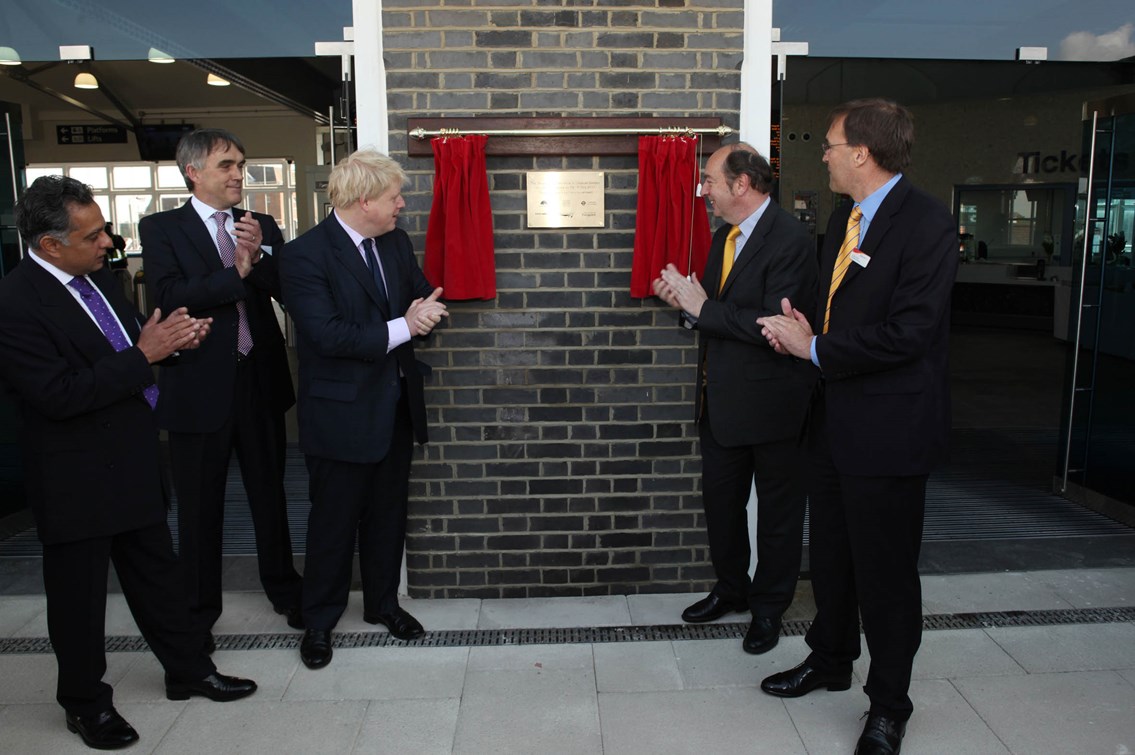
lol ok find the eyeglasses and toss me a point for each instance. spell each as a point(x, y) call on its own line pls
point(827, 147)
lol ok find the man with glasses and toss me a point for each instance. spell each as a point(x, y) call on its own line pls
point(749, 401)
point(880, 416)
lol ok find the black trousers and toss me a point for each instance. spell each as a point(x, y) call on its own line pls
point(864, 539)
point(200, 464)
point(74, 579)
point(364, 500)
point(727, 475)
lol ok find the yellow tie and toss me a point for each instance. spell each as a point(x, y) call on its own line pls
point(843, 259)
point(728, 255)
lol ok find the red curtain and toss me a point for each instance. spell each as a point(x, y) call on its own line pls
point(459, 235)
point(671, 223)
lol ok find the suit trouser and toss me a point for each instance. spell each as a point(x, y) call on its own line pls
point(864, 539)
point(369, 500)
point(74, 578)
point(727, 475)
point(200, 463)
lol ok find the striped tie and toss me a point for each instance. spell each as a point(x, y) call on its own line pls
point(843, 259)
point(227, 247)
point(728, 255)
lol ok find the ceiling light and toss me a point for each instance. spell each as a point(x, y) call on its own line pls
point(157, 56)
point(85, 80)
point(9, 56)
point(216, 81)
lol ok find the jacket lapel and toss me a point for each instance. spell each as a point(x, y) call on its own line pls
point(198, 233)
point(753, 245)
point(877, 230)
point(60, 307)
point(345, 252)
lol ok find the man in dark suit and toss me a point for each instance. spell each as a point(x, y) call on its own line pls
point(218, 261)
point(750, 401)
point(881, 414)
point(358, 297)
point(78, 357)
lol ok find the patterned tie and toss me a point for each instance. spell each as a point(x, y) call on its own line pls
point(375, 270)
point(227, 247)
point(728, 256)
point(843, 259)
point(108, 325)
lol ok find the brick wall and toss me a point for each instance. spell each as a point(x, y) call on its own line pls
point(563, 459)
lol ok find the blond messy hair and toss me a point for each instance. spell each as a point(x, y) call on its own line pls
point(366, 174)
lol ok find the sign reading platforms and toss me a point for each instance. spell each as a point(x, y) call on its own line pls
point(565, 199)
point(90, 134)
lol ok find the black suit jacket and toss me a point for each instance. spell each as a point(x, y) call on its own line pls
point(753, 394)
point(348, 385)
point(89, 440)
point(884, 358)
point(184, 269)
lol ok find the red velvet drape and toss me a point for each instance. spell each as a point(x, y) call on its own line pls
point(668, 209)
point(459, 236)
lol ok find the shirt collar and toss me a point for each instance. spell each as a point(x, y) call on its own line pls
point(356, 237)
point(748, 224)
point(870, 205)
point(205, 211)
point(59, 275)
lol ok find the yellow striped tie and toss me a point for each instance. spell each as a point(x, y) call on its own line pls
point(843, 259)
point(728, 255)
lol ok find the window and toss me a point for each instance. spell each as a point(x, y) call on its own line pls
point(127, 192)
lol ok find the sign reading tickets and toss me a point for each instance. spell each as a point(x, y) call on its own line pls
point(565, 199)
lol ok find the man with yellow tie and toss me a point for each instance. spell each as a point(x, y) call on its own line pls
point(880, 416)
point(750, 401)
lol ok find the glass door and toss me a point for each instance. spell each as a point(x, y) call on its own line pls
point(12, 497)
point(1098, 426)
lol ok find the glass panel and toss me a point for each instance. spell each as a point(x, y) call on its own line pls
point(1103, 415)
point(171, 201)
point(169, 177)
point(132, 176)
point(92, 176)
point(48, 170)
point(128, 209)
point(269, 203)
point(1014, 223)
point(264, 175)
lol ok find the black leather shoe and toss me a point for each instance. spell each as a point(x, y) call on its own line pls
point(802, 680)
point(315, 648)
point(881, 736)
point(103, 731)
point(709, 608)
point(293, 614)
point(216, 686)
point(400, 623)
point(762, 636)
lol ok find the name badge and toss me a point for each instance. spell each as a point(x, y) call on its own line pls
point(860, 258)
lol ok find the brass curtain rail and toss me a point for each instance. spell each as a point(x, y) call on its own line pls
point(720, 131)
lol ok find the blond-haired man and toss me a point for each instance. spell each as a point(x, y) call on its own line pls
point(358, 297)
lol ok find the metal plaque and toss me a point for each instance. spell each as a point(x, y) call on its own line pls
point(565, 199)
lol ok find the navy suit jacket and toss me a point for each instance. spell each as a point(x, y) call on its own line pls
point(89, 440)
point(884, 358)
point(755, 395)
point(349, 385)
point(184, 269)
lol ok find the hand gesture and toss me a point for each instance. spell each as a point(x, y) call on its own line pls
point(160, 338)
point(424, 314)
point(249, 237)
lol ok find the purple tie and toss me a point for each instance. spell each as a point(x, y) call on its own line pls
point(108, 325)
point(228, 257)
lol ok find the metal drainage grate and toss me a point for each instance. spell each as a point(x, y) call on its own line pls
point(593, 635)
